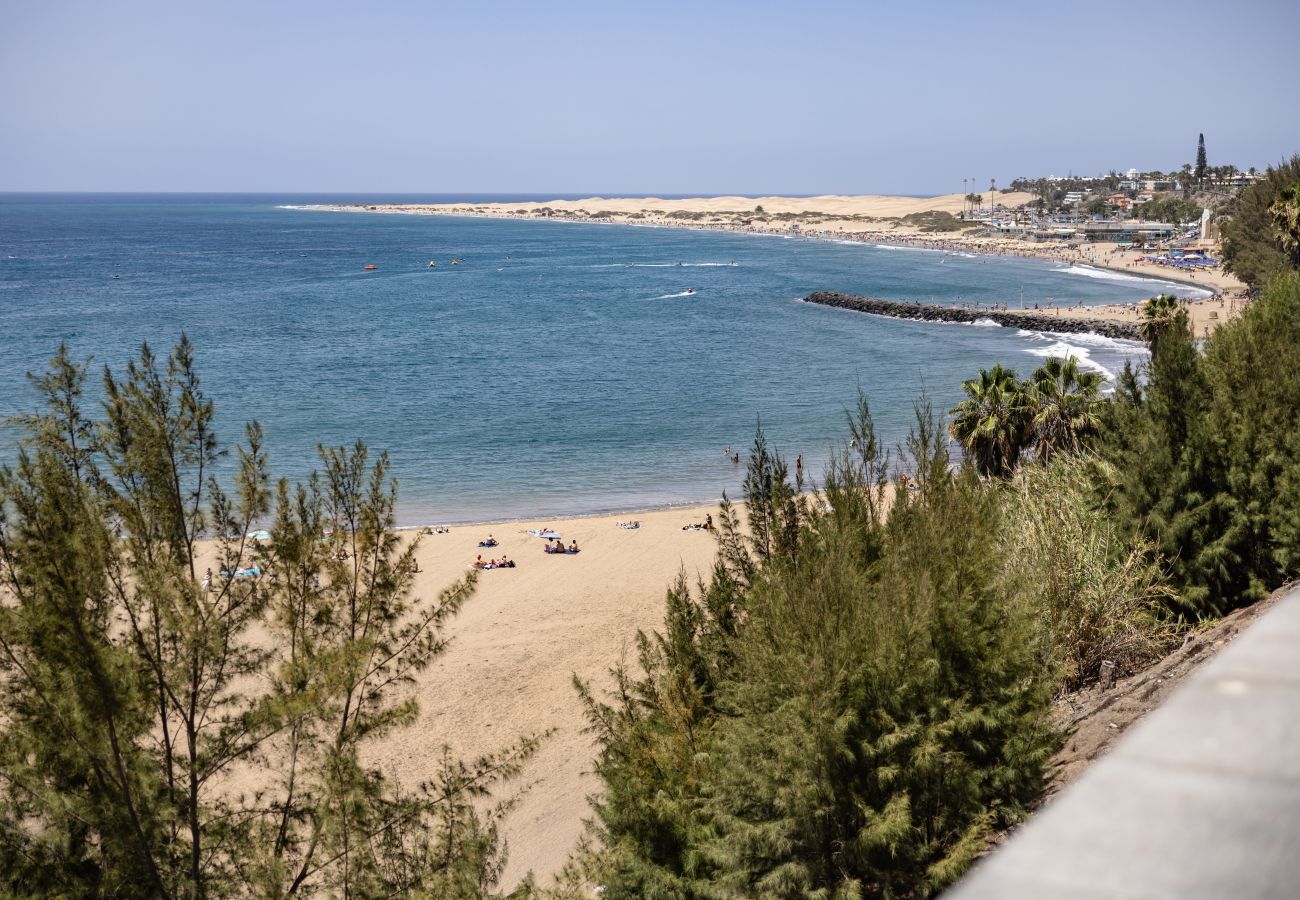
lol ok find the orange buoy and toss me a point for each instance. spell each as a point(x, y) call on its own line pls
point(369, 268)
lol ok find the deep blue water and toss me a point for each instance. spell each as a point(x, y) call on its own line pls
point(554, 370)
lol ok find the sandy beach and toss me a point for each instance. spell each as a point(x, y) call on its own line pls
point(519, 641)
point(529, 630)
point(866, 218)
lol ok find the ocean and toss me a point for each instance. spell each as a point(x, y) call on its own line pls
point(559, 368)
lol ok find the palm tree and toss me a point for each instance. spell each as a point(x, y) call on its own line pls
point(1159, 315)
point(990, 423)
point(1284, 214)
point(1064, 406)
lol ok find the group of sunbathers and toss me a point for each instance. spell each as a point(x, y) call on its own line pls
point(489, 542)
point(558, 547)
point(633, 524)
point(504, 562)
point(706, 525)
point(252, 569)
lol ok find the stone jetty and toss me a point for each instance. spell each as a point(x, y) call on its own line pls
point(927, 312)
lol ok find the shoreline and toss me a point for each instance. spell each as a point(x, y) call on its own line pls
point(983, 245)
point(517, 644)
point(604, 512)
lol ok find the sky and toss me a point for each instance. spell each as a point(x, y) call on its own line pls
point(633, 98)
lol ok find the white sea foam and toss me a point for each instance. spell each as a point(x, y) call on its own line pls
point(1108, 275)
point(1082, 346)
point(1100, 273)
point(1117, 345)
point(989, 323)
point(1067, 350)
point(907, 249)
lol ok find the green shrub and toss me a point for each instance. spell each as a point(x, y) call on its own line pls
point(850, 706)
point(1209, 454)
point(1252, 247)
point(1100, 596)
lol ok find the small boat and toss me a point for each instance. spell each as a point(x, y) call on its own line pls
point(371, 268)
point(432, 264)
point(455, 262)
point(690, 291)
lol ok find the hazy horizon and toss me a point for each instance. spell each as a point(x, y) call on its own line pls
point(515, 99)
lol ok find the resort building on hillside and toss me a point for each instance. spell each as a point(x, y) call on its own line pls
point(1125, 232)
point(1121, 201)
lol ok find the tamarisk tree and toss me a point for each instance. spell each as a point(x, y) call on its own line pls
point(166, 733)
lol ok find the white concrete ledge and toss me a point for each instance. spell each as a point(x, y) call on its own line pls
point(1200, 800)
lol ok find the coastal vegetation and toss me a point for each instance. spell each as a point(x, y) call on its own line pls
point(1260, 238)
point(1053, 412)
point(1203, 458)
point(851, 704)
point(1197, 456)
point(170, 732)
point(1168, 209)
point(860, 695)
point(935, 221)
point(856, 700)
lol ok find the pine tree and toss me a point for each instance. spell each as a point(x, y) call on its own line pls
point(1200, 160)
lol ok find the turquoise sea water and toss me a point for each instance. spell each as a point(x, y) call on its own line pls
point(558, 369)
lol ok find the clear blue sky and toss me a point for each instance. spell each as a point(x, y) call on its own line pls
point(655, 97)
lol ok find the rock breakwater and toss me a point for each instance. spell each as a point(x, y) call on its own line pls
point(927, 312)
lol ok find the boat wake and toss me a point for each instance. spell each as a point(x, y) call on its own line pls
point(696, 265)
point(671, 296)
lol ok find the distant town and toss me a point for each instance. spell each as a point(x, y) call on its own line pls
point(1135, 208)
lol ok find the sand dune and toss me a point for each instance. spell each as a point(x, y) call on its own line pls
point(832, 205)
